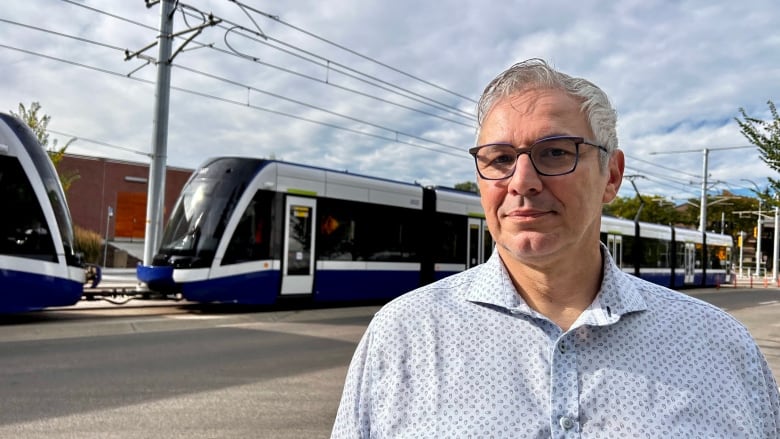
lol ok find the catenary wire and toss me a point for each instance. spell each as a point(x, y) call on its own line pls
point(243, 104)
point(396, 132)
point(368, 58)
point(329, 64)
point(183, 8)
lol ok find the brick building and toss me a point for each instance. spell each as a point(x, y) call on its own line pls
point(119, 185)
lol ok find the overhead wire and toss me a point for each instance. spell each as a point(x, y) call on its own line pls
point(660, 179)
point(368, 58)
point(200, 14)
point(99, 142)
point(354, 119)
point(314, 107)
point(326, 81)
point(637, 159)
point(242, 104)
point(329, 64)
point(662, 182)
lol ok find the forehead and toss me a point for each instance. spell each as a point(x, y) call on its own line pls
point(550, 102)
point(536, 113)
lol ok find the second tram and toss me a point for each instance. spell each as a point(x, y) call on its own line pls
point(252, 231)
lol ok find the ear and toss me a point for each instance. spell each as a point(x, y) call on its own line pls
point(615, 170)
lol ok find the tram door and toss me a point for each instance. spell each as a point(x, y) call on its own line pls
point(689, 262)
point(298, 272)
point(480, 243)
point(615, 246)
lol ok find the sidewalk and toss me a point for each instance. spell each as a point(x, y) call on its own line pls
point(753, 282)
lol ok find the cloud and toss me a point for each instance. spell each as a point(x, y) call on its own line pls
point(677, 73)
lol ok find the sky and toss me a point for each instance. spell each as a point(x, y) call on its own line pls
point(389, 89)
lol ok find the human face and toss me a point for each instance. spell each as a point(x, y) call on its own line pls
point(534, 218)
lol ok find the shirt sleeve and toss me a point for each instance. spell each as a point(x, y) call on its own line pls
point(771, 405)
point(352, 418)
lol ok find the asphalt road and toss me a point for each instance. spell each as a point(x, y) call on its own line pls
point(175, 372)
point(183, 371)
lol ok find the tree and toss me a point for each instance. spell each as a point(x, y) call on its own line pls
point(727, 211)
point(766, 136)
point(38, 126)
point(656, 209)
point(467, 186)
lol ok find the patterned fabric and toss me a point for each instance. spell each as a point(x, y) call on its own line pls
point(466, 357)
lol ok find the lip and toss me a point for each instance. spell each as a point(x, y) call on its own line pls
point(526, 213)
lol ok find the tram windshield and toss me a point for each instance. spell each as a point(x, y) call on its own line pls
point(204, 207)
point(52, 185)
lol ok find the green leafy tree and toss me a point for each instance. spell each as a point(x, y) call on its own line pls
point(468, 186)
point(727, 212)
point(38, 124)
point(656, 209)
point(766, 136)
point(735, 214)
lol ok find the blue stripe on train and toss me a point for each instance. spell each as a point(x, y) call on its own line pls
point(256, 288)
point(30, 292)
point(262, 288)
point(332, 285)
point(679, 278)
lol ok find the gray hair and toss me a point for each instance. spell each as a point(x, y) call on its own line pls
point(535, 74)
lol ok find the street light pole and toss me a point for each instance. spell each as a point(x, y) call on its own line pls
point(758, 240)
point(758, 227)
point(776, 254)
point(703, 219)
point(105, 244)
point(741, 245)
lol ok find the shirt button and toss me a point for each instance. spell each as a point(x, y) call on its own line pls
point(566, 423)
point(562, 347)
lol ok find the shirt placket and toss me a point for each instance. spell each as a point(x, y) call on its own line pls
point(564, 399)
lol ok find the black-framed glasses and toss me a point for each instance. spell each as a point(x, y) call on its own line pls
point(549, 156)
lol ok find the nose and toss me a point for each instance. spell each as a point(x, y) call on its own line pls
point(525, 181)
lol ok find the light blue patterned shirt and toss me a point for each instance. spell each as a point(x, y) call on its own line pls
point(467, 357)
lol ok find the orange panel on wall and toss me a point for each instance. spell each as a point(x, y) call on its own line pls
point(130, 215)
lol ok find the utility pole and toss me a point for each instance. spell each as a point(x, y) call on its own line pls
point(156, 197)
point(776, 243)
point(703, 219)
point(758, 226)
point(156, 191)
point(705, 151)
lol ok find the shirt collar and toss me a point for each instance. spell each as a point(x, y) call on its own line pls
point(619, 293)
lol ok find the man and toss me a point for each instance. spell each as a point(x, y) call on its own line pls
point(549, 338)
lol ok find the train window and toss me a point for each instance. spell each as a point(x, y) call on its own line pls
point(450, 244)
point(391, 234)
point(629, 248)
point(719, 257)
point(367, 232)
point(655, 253)
point(337, 231)
point(251, 240)
point(698, 254)
point(680, 255)
point(25, 233)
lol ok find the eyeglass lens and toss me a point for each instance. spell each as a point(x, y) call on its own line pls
point(549, 157)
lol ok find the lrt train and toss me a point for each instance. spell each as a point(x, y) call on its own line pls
point(38, 265)
point(252, 231)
